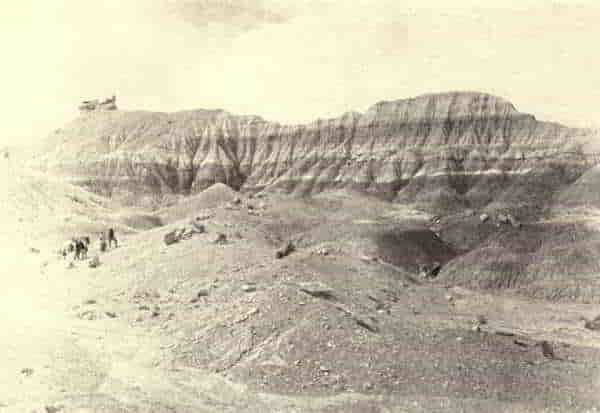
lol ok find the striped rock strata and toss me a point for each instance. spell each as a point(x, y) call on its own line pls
point(440, 151)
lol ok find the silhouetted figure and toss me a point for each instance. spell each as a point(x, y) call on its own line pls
point(112, 238)
point(80, 249)
point(102, 242)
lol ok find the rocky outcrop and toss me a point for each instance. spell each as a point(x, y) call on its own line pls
point(439, 151)
point(96, 104)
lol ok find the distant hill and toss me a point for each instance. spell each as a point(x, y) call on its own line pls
point(439, 151)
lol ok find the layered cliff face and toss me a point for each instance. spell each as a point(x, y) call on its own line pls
point(460, 149)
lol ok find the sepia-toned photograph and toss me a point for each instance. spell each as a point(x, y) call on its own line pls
point(300, 206)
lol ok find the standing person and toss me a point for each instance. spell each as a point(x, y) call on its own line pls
point(111, 238)
point(102, 242)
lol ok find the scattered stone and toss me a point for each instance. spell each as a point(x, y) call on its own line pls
point(88, 315)
point(366, 325)
point(197, 227)
point(219, 238)
point(245, 317)
point(184, 233)
point(53, 409)
point(236, 201)
point(34, 250)
point(202, 293)
point(469, 213)
point(70, 265)
point(285, 250)
point(592, 324)
point(323, 251)
point(94, 262)
point(430, 270)
point(367, 386)
point(484, 217)
point(171, 238)
point(514, 222)
point(89, 302)
point(317, 289)
point(248, 288)
point(504, 333)
point(111, 314)
point(547, 350)
point(481, 319)
point(503, 219)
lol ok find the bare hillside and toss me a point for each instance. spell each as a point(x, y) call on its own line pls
point(343, 323)
point(440, 151)
point(438, 253)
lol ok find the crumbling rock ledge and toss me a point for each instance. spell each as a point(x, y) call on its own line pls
point(96, 104)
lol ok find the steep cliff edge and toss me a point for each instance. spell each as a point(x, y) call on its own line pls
point(439, 151)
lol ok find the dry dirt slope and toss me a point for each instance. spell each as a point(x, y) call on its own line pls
point(256, 322)
point(341, 324)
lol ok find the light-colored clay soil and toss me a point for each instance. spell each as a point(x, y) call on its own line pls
point(339, 325)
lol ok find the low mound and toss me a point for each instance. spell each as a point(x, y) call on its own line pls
point(583, 192)
point(587, 292)
point(557, 255)
point(141, 222)
point(466, 233)
point(442, 200)
point(212, 197)
point(410, 247)
point(531, 194)
point(486, 268)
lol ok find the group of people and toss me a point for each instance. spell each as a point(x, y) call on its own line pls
point(79, 246)
point(109, 239)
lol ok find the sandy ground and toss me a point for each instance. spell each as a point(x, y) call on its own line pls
point(55, 358)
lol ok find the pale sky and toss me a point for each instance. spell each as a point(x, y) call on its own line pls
point(292, 61)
